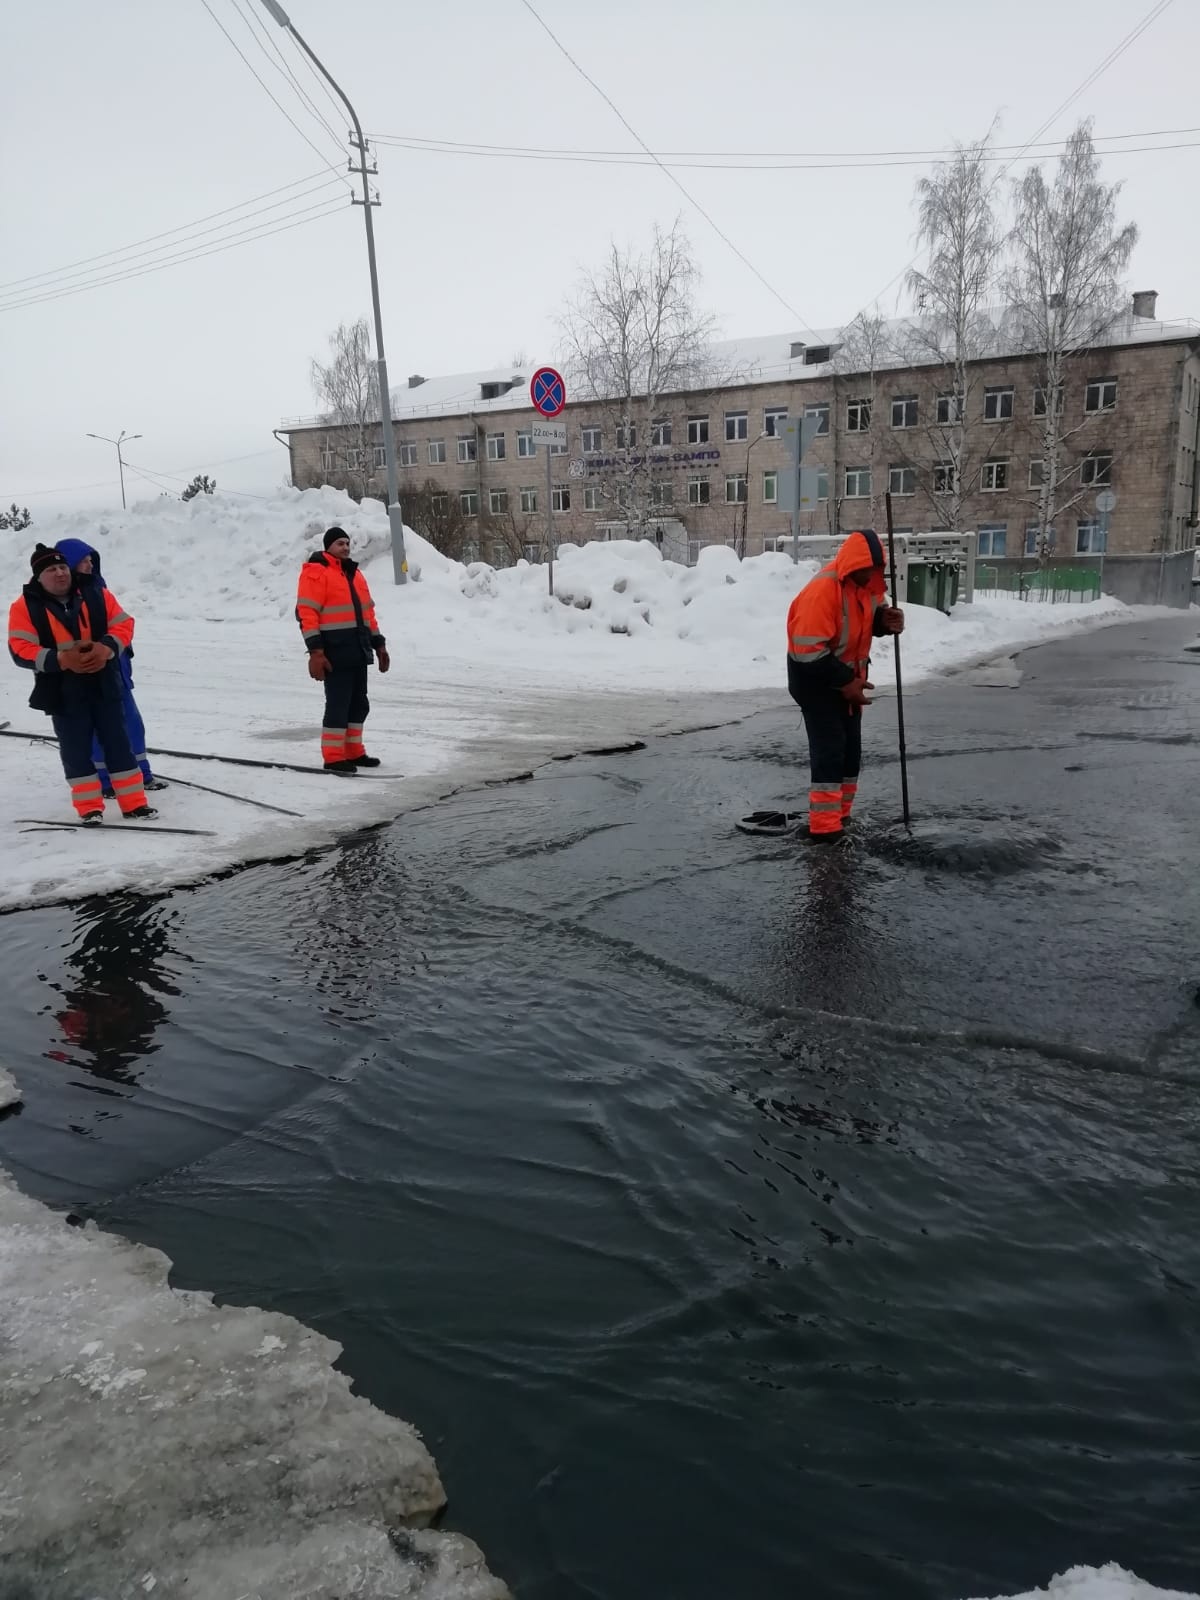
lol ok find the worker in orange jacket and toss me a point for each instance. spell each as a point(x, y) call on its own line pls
point(337, 620)
point(71, 638)
point(831, 623)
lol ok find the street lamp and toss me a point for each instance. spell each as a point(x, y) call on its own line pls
point(122, 438)
point(395, 516)
point(758, 439)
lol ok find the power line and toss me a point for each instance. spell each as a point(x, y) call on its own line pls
point(323, 209)
point(55, 272)
point(62, 278)
point(478, 146)
point(268, 93)
point(258, 29)
point(338, 108)
point(174, 477)
point(107, 483)
point(692, 201)
point(617, 160)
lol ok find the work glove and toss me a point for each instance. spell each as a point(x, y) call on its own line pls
point(85, 658)
point(382, 660)
point(893, 619)
point(856, 692)
point(318, 665)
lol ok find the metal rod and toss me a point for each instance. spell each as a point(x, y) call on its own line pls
point(899, 681)
point(549, 516)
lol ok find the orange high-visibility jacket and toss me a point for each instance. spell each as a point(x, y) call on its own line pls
point(334, 605)
point(26, 647)
point(832, 621)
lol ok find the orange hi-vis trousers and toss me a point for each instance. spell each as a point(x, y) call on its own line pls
point(74, 728)
point(835, 757)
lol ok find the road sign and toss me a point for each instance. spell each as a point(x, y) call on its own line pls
point(805, 428)
point(785, 488)
point(549, 433)
point(1106, 501)
point(548, 391)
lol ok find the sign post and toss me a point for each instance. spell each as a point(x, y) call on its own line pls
point(1106, 504)
point(801, 484)
point(549, 395)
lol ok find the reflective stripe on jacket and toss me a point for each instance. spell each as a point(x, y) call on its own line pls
point(831, 620)
point(325, 601)
point(66, 623)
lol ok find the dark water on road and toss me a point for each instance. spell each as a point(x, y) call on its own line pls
point(733, 1221)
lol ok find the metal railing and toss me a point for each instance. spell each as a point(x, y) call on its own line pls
point(1057, 585)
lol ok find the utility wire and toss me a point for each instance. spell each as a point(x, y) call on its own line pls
point(62, 279)
point(109, 483)
point(176, 478)
point(339, 109)
point(687, 195)
point(300, 219)
point(258, 30)
point(184, 227)
point(618, 160)
point(269, 95)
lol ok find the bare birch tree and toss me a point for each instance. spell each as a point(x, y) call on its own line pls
point(1064, 288)
point(632, 336)
point(865, 347)
point(347, 390)
point(953, 328)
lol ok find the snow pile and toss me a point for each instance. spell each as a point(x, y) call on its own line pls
point(155, 1443)
point(1101, 1583)
point(10, 1095)
point(491, 675)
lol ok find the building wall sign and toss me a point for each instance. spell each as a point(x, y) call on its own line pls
point(663, 458)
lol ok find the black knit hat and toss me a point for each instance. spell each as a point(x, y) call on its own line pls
point(46, 556)
point(332, 534)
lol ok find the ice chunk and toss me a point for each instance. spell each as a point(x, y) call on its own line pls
point(10, 1095)
point(1100, 1583)
point(152, 1445)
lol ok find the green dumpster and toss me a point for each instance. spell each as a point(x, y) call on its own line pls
point(920, 584)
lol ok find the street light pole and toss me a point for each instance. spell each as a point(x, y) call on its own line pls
point(122, 438)
point(395, 517)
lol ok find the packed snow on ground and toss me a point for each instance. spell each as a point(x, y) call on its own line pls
point(1101, 1583)
point(154, 1443)
point(490, 675)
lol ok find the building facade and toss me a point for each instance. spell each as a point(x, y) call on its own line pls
point(711, 462)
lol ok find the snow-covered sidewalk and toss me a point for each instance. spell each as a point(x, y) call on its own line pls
point(490, 675)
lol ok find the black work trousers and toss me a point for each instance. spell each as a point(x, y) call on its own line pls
point(834, 729)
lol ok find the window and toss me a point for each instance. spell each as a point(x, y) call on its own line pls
point(660, 432)
point(528, 499)
point(902, 480)
point(816, 354)
point(524, 441)
point(735, 488)
point(995, 477)
point(662, 494)
point(822, 484)
point(354, 459)
point(439, 504)
point(858, 483)
point(468, 449)
point(498, 502)
point(697, 430)
point(698, 490)
point(858, 416)
point(624, 496)
point(774, 418)
point(777, 547)
point(949, 408)
point(408, 455)
point(592, 440)
point(531, 553)
point(495, 447)
point(557, 449)
point(1101, 395)
point(770, 488)
point(737, 426)
point(380, 454)
point(997, 405)
point(627, 436)
point(945, 478)
point(437, 452)
point(468, 502)
point(820, 412)
point(560, 498)
point(904, 411)
point(591, 497)
point(1039, 400)
point(1089, 538)
point(1096, 468)
point(1037, 474)
point(326, 458)
point(500, 557)
point(1031, 539)
point(993, 539)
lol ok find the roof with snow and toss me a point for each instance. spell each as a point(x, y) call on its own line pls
point(767, 358)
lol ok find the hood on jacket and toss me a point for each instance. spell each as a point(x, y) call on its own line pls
point(857, 550)
point(73, 551)
point(322, 558)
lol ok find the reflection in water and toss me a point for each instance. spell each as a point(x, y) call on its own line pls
point(116, 975)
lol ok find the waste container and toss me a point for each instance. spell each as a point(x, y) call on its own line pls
point(920, 584)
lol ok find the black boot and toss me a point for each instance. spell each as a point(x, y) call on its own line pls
point(366, 761)
point(92, 819)
point(141, 814)
point(342, 769)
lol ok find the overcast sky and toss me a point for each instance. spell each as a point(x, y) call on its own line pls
point(125, 120)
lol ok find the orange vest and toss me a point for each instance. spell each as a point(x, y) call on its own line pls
point(831, 615)
point(325, 601)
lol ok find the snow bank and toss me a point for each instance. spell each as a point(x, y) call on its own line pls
point(156, 1444)
point(10, 1095)
point(490, 674)
point(1101, 1583)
